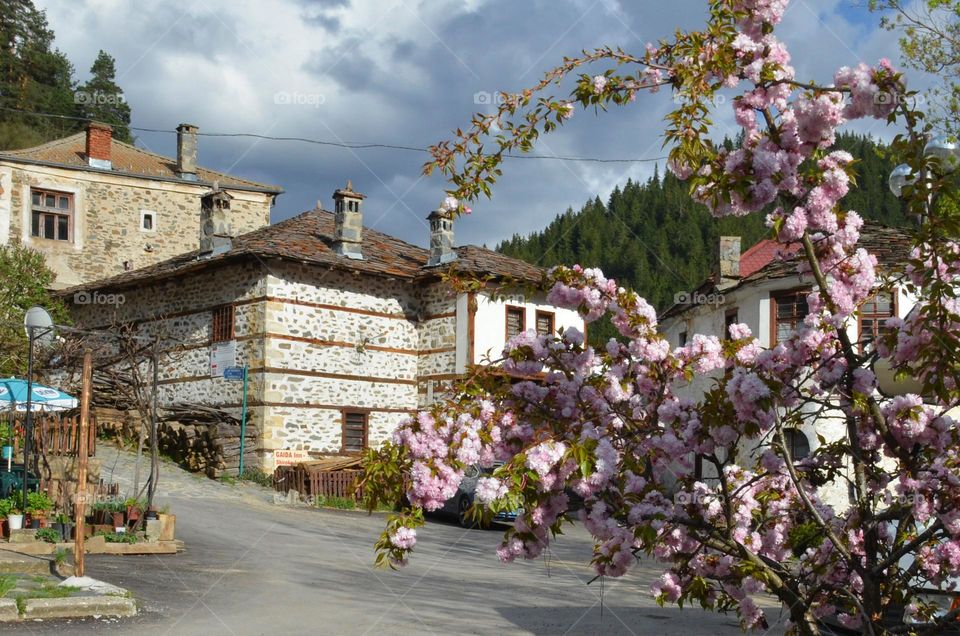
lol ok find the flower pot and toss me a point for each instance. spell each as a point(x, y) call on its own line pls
point(133, 513)
point(117, 518)
point(34, 523)
point(15, 522)
point(66, 531)
point(168, 524)
point(3, 527)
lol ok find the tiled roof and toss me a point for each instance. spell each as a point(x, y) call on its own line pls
point(70, 152)
point(762, 253)
point(891, 246)
point(308, 238)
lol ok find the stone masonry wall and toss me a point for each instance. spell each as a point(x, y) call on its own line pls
point(107, 222)
point(179, 311)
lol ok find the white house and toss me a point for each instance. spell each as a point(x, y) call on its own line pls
point(765, 292)
point(345, 330)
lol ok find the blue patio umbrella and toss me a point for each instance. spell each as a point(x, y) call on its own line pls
point(13, 397)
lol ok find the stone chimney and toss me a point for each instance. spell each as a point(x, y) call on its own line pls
point(348, 222)
point(216, 231)
point(99, 139)
point(187, 151)
point(441, 237)
point(729, 261)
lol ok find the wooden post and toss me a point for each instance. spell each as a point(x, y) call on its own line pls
point(80, 505)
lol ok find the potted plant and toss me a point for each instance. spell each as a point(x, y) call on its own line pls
point(134, 509)
point(15, 514)
point(39, 506)
point(6, 442)
point(117, 510)
point(6, 505)
point(64, 525)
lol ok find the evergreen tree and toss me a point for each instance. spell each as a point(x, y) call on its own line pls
point(36, 77)
point(101, 99)
point(33, 77)
point(654, 238)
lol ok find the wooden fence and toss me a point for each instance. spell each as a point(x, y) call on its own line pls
point(54, 435)
point(318, 483)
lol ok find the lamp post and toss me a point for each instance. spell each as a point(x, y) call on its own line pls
point(39, 326)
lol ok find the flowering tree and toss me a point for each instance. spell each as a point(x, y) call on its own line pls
point(609, 425)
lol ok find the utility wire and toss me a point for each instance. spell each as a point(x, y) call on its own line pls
point(352, 145)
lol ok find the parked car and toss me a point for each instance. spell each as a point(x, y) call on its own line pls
point(463, 499)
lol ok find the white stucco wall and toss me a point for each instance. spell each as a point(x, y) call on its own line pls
point(753, 308)
point(491, 322)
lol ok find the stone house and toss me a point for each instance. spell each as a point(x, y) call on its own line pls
point(95, 206)
point(765, 292)
point(344, 330)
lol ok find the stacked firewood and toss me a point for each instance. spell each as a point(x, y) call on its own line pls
point(205, 439)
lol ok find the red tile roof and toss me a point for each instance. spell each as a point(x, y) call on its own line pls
point(70, 152)
point(762, 253)
point(308, 238)
point(891, 246)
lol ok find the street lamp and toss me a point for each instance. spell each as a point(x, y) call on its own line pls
point(39, 326)
point(900, 177)
point(946, 149)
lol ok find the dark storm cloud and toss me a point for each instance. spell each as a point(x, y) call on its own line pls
point(406, 72)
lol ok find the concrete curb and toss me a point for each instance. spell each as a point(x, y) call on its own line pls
point(79, 606)
point(8, 610)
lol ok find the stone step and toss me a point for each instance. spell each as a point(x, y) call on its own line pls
point(15, 563)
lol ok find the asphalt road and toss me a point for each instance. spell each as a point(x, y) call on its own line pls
point(254, 567)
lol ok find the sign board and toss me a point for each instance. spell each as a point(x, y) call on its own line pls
point(290, 457)
point(222, 355)
point(233, 373)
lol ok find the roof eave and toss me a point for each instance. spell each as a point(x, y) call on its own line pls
point(274, 190)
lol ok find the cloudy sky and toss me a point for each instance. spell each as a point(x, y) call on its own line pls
point(406, 72)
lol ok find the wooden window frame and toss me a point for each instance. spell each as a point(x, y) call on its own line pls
point(549, 315)
point(44, 211)
point(774, 297)
point(894, 312)
point(791, 439)
point(343, 430)
point(506, 320)
point(219, 315)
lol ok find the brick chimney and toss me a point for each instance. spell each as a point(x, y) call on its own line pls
point(729, 261)
point(187, 151)
point(348, 222)
point(441, 238)
point(99, 138)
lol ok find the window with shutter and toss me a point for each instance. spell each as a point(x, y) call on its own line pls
point(545, 323)
point(354, 431)
point(516, 321)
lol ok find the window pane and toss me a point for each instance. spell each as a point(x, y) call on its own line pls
point(51, 201)
point(64, 203)
point(63, 228)
point(784, 329)
point(49, 221)
point(37, 199)
point(148, 221)
point(35, 225)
